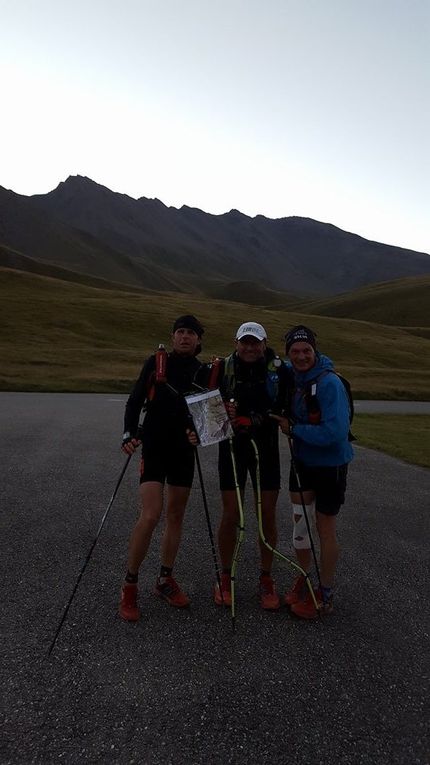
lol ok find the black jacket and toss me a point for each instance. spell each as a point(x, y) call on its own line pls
point(167, 413)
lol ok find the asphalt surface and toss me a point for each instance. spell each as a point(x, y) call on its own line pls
point(179, 687)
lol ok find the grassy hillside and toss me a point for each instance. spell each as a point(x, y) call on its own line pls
point(60, 336)
point(406, 436)
point(15, 260)
point(403, 303)
point(251, 293)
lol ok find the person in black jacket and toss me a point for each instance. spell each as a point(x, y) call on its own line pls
point(167, 457)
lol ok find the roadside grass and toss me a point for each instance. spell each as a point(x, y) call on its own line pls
point(61, 336)
point(406, 436)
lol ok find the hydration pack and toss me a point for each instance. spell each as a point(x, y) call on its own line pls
point(273, 365)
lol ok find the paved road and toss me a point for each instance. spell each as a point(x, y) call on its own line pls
point(179, 687)
point(392, 407)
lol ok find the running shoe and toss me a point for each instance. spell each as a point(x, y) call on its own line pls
point(305, 608)
point(128, 609)
point(269, 598)
point(167, 588)
point(225, 598)
point(297, 592)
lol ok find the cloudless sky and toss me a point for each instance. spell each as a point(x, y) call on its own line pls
point(318, 108)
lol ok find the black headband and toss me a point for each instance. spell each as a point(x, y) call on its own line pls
point(188, 321)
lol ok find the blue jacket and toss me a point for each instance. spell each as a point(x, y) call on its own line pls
point(326, 443)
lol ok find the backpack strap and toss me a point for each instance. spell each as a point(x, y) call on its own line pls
point(310, 394)
point(272, 376)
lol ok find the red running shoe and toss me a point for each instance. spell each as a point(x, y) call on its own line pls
point(225, 599)
point(297, 592)
point(269, 598)
point(128, 609)
point(168, 589)
point(305, 608)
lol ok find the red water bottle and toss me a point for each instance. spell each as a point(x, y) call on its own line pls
point(161, 364)
point(214, 373)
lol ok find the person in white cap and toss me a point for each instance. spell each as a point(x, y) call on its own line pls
point(249, 380)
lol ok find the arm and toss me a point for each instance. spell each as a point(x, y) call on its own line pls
point(136, 401)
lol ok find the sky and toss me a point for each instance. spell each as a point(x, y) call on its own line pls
point(316, 108)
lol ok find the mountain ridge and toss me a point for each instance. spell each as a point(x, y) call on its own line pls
point(85, 227)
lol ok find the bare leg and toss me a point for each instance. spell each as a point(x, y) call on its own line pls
point(151, 494)
point(177, 497)
point(268, 512)
point(228, 528)
point(326, 525)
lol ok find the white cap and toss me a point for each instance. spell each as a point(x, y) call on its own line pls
point(253, 329)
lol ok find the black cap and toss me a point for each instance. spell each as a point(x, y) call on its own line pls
point(188, 321)
point(300, 334)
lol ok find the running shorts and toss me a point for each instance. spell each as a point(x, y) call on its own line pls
point(328, 483)
point(170, 463)
point(269, 465)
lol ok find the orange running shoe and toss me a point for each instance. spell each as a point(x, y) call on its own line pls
point(225, 598)
point(305, 608)
point(269, 598)
point(128, 609)
point(168, 589)
point(297, 592)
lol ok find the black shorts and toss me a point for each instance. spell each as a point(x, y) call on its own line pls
point(328, 483)
point(269, 466)
point(170, 463)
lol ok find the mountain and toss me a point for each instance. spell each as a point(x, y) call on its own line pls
point(84, 227)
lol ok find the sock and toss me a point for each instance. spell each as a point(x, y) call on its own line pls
point(131, 578)
point(165, 571)
point(263, 572)
point(327, 593)
point(226, 571)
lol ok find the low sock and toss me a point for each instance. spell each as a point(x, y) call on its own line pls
point(327, 593)
point(131, 578)
point(165, 571)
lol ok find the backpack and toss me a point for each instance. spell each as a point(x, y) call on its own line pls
point(312, 403)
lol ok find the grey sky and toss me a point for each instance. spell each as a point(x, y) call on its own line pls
point(309, 108)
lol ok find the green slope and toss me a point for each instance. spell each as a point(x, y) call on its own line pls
point(403, 303)
point(57, 335)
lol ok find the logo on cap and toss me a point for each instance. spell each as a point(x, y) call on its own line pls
point(253, 329)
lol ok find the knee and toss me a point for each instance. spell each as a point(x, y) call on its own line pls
point(229, 518)
point(301, 538)
point(175, 515)
point(147, 523)
point(269, 520)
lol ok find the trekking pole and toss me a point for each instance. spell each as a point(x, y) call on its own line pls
point(208, 521)
point(239, 538)
point(66, 610)
point(276, 552)
point(302, 499)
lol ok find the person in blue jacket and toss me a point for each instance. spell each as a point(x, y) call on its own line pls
point(317, 422)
